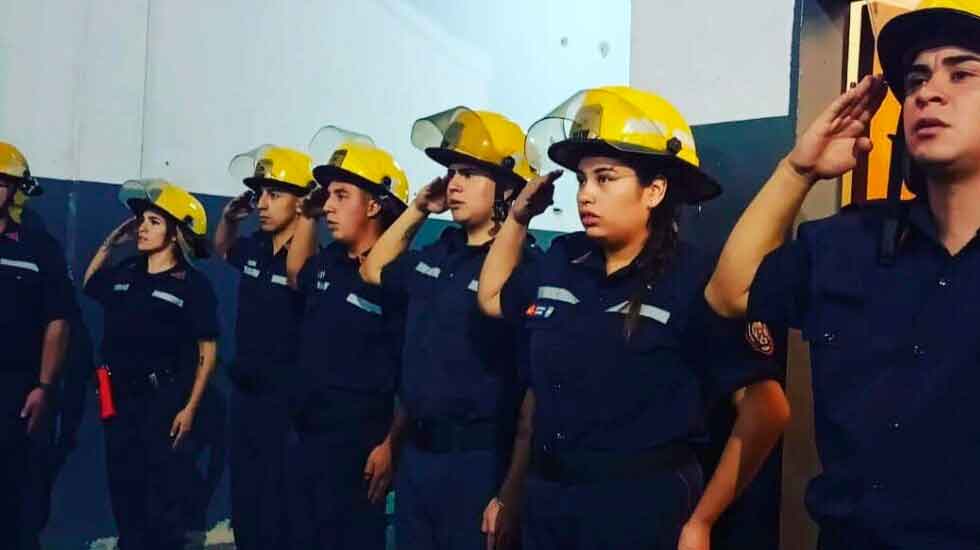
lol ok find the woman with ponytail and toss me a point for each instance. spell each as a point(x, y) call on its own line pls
point(624, 353)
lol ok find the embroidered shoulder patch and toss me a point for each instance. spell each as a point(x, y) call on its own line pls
point(759, 338)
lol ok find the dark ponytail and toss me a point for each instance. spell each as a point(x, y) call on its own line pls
point(661, 245)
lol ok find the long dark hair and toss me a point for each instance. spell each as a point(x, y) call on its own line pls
point(661, 245)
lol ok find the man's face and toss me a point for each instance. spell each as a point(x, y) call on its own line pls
point(942, 109)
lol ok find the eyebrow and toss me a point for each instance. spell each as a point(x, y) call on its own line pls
point(960, 59)
point(601, 169)
point(950, 61)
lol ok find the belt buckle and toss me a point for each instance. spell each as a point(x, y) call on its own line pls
point(154, 381)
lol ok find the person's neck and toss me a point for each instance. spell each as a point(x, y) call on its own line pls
point(478, 235)
point(620, 255)
point(955, 205)
point(281, 237)
point(364, 243)
point(161, 260)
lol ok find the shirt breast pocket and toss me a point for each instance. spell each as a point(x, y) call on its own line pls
point(841, 347)
point(650, 331)
point(167, 308)
point(20, 294)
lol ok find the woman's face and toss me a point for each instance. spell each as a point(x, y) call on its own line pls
point(470, 195)
point(153, 234)
point(612, 204)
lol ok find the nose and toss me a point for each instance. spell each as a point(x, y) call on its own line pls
point(928, 92)
point(586, 193)
point(455, 184)
point(263, 202)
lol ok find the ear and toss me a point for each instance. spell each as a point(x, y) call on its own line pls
point(374, 208)
point(654, 193)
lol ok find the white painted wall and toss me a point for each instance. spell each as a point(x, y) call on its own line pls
point(71, 85)
point(105, 90)
point(716, 60)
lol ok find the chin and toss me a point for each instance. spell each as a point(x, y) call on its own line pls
point(338, 235)
point(932, 153)
point(271, 227)
point(595, 232)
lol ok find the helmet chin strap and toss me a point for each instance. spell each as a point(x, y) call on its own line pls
point(894, 225)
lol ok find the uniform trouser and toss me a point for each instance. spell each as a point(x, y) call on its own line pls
point(837, 535)
point(24, 474)
point(259, 433)
point(329, 506)
point(440, 498)
point(642, 513)
point(150, 482)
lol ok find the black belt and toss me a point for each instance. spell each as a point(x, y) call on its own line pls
point(578, 467)
point(446, 436)
point(144, 382)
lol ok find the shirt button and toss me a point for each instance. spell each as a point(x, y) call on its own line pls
point(452, 275)
point(918, 351)
point(546, 447)
point(944, 282)
point(829, 337)
point(876, 486)
point(556, 387)
point(560, 436)
point(895, 426)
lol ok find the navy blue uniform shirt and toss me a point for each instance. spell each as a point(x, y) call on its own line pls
point(351, 332)
point(895, 353)
point(457, 364)
point(269, 312)
point(597, 390)
point(153, 322)
point(34, 290)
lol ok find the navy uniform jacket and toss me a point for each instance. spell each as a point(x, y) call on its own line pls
point(597, 390)
point(153, 322)
point(34, 290)
point(457, 364)
point(269, 312)
point(895, 353)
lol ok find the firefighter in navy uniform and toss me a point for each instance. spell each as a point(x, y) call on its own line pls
point(159, 350)
point(51, 446)
point(885, 294)
point(625, 355)
point(351, 350)
point(464, 456)
point(266, 338)
point(37, 301)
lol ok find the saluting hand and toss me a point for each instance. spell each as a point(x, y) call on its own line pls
point(832, 145)
point(125, 232)
point(536, 196)
point(432, 198)
point(239, 207)
point(311, 206)
point(35, 408)
point(182, 425)
point(378, 471)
